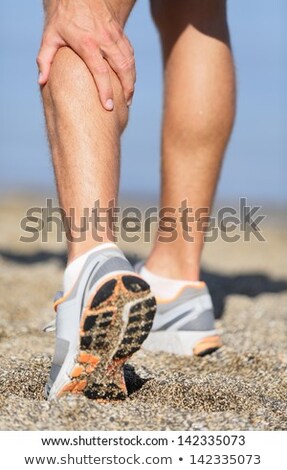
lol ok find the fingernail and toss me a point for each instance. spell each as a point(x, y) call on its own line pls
point(40, 76)
point(109, 105)
point(129, 103)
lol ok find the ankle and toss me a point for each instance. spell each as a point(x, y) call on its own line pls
point(174, 266)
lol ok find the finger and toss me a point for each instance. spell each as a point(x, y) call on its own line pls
point(126, 48)
point(128, 51)
point(123, 66)
point(44, 60)
point(99, 69)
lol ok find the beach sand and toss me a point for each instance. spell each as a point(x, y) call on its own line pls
point(243, 386)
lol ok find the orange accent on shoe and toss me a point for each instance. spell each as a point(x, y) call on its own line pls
point(195, 285)
point(79, 386)
point(88, 358)
point(61, 299)
point(67, 388)
point(77, 371)
point(210, 342)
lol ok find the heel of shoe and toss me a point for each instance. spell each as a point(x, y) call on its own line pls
point(186, 343)
point(207, 345)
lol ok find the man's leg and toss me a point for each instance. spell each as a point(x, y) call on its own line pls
point(197, 121)
point(84, 138)
point(198, 117)
point(106, 310)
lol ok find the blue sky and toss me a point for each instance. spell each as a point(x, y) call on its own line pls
point(256, 164)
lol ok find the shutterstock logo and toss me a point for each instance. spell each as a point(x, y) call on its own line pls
point(131, 224)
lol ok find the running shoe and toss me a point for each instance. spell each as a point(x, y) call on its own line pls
point(185, 323)
point(100, 323)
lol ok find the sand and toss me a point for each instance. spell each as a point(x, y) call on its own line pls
point(243, 386)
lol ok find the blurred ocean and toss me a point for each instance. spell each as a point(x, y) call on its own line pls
point(256, 164)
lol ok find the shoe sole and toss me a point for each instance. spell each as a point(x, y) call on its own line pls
point(113, 326)
point(186, 343)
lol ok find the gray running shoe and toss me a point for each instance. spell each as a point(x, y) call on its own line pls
point(185, 324)
point(100, 323)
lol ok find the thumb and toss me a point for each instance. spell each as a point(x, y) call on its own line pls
point(44, 60)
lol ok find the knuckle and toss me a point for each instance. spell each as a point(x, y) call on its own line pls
point(106, 37)
point(127, 64)
point(88, 42)
point(100, 69)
